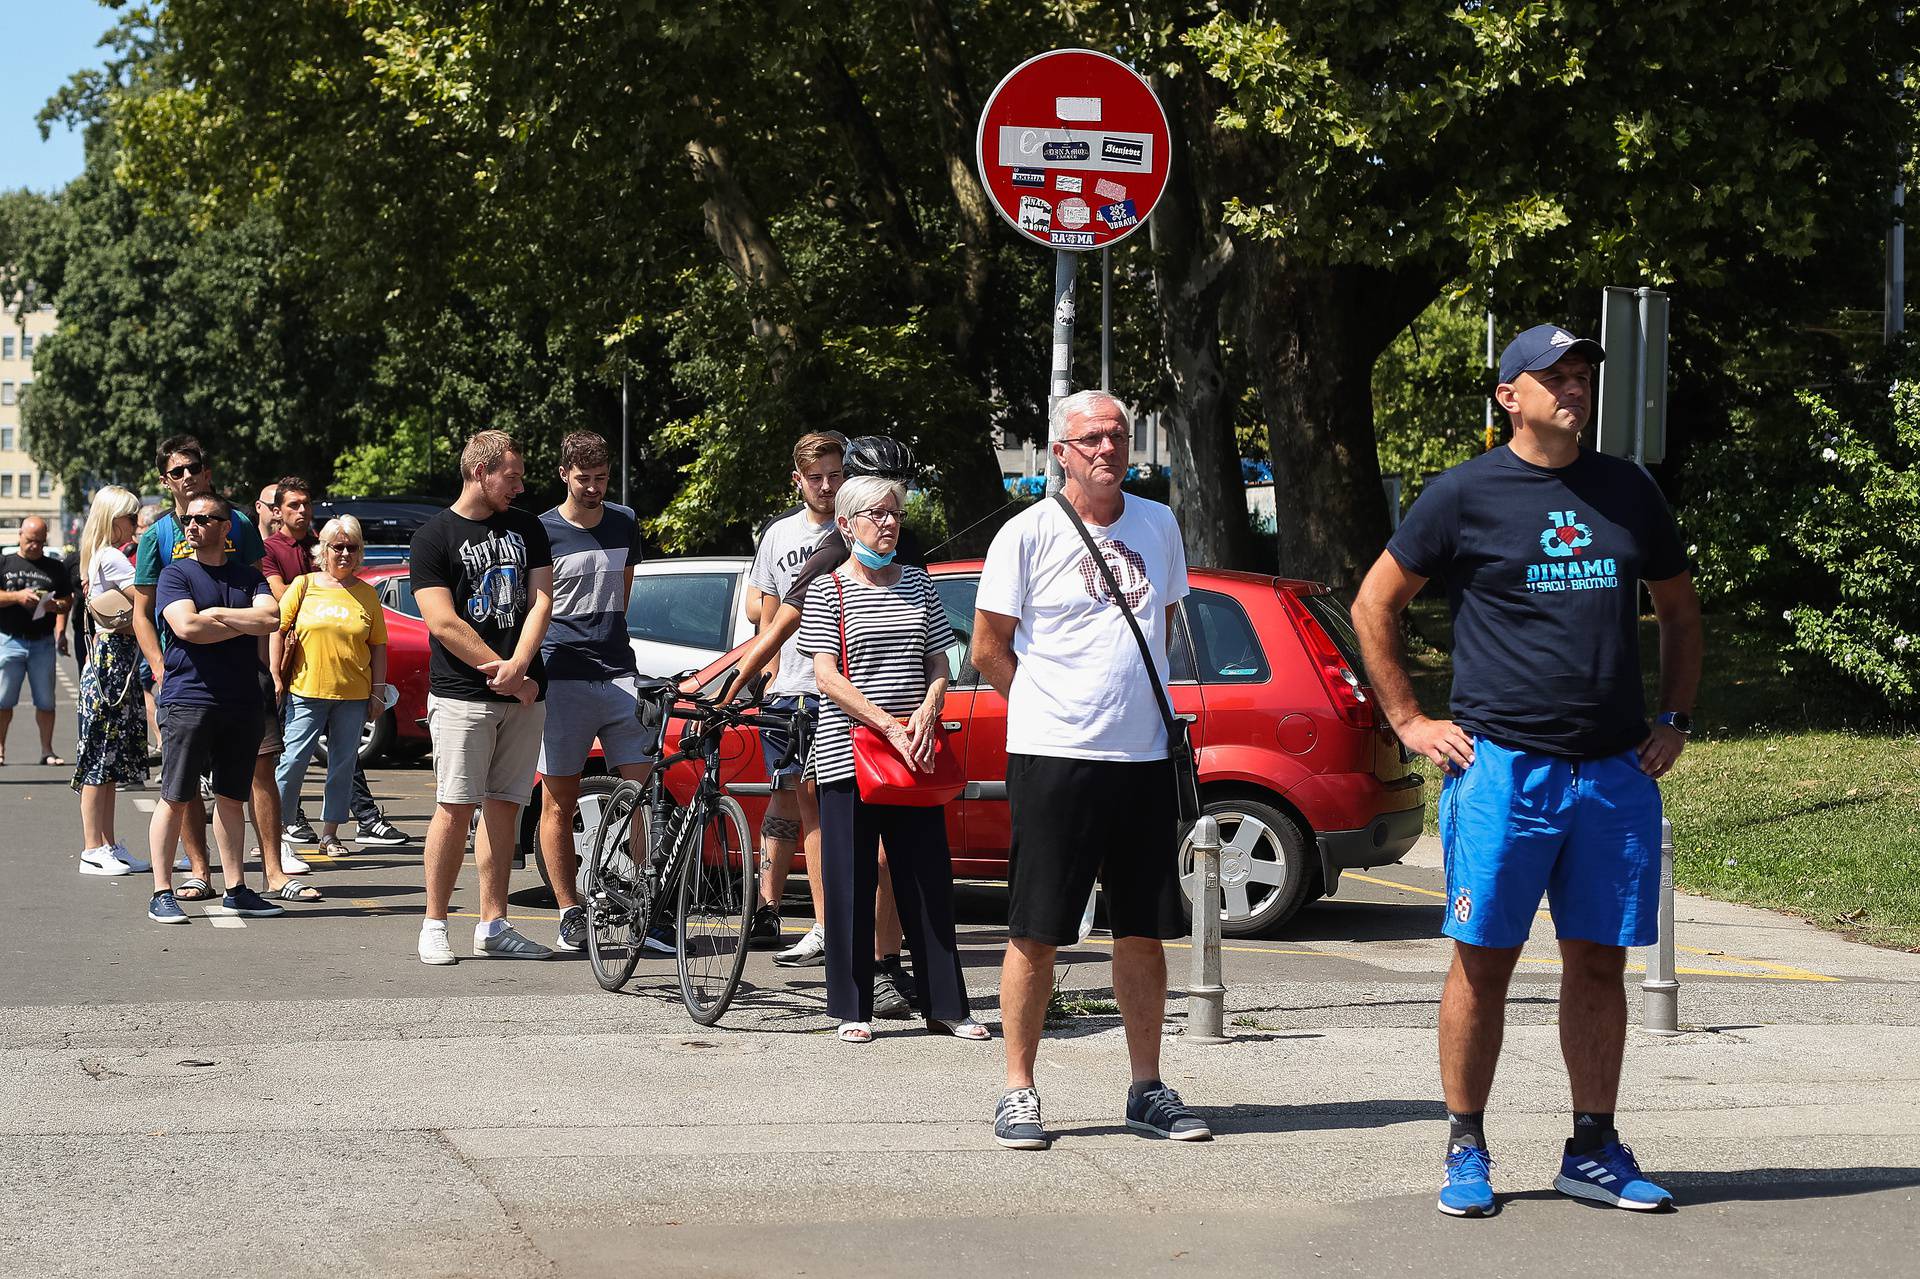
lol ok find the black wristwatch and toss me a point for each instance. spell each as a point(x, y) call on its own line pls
point(1679, 721)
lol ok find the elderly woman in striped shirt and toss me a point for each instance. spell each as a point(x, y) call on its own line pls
point(878, 638)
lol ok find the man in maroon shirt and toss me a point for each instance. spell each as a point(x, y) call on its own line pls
point(290, 550)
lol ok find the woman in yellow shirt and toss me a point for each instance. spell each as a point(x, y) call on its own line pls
point(338, 632)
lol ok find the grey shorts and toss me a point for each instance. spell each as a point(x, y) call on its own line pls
point(579, 711)
point(483, 750)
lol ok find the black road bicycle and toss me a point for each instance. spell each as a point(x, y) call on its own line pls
point(649, 850)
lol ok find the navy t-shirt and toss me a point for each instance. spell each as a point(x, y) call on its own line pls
point(587, 638)
point(226, 671)
point(1542, 569)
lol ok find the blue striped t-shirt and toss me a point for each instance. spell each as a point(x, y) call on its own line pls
point(587, 639)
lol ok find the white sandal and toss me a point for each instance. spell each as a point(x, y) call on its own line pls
point(855, 1032)
point(968, 1029)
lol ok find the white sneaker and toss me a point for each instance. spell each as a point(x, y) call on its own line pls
point(293, 865)
point(101, 861)
point(809, 952)
point(434, 948)
point(508, 943)
point(136, 865)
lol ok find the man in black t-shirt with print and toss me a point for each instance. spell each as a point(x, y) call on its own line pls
point(482, 574)
point(36, 590)
point(1551, 766)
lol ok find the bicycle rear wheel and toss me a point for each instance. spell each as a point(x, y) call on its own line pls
point(715, 912)
point(618, 897)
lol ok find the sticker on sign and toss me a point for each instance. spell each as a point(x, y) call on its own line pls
point(1024, 148)
point(1072, 239)
point(1072, 214)
point(1036, 215)
point(1029, 177)
point(1107, 189)
point(1118, 215)
point(1084, 110)
point(1067, 182)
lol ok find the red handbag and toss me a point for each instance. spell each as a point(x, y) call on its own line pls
point(882, 773)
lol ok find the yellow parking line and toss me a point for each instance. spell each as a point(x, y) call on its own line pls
point(1781, 972)
point(370, 906)
point(1237, 950)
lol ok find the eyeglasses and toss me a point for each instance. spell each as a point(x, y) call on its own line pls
point(881, 514)
point(206, 519)
point(185, 469)
point(1093, 443)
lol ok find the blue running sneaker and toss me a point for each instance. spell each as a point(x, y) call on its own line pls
point(1610, 1175)
point(163, 909)
point(1469, 1189)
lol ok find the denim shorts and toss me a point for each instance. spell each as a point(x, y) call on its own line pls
point(30, 660)
point(773, 741)
point(1585, 833)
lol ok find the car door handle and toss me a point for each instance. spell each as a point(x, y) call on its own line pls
point(952, 725)
point(1192, 718)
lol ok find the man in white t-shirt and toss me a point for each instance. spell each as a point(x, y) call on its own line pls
point(1089, 785)
point(792, 819)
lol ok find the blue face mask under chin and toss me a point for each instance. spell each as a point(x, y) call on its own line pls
point(868, 556)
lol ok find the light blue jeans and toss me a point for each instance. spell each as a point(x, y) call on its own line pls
point(307, 719)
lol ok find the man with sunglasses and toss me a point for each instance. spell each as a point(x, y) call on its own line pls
point(216, 611)
point(1090, 790)
point(185, 472)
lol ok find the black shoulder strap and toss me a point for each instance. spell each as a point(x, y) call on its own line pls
point(1133, 624)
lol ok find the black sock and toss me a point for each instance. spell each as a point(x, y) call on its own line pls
point(1592, 1129)
point(1467, 1128)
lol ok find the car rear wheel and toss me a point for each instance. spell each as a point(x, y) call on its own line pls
point(595, 789)
point(1266, 873)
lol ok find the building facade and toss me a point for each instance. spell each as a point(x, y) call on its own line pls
point(25, 489)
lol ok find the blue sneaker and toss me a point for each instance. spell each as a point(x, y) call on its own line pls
point(1469, 1189)
point(661, 940)
point(241, 900)
point(163, 909)
point(1610, 1175)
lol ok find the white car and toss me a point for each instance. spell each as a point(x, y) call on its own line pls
point(686, 611)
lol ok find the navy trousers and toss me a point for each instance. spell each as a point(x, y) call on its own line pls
point(850, 835)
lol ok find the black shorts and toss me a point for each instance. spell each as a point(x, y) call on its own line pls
point(197, 740)
point(1075, 819)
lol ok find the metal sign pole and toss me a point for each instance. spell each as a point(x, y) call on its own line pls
point(626, 432)
point(1106, 319)
point(1065, 277)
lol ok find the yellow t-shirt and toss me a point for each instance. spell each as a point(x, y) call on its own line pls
point(336, 627)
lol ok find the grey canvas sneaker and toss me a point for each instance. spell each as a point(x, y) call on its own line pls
point(508, 943)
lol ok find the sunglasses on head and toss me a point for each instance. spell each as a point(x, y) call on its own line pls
point(206, 519)
point(185, 469)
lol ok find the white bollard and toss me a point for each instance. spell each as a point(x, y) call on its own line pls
point(1660, 992)
point(1206, 997)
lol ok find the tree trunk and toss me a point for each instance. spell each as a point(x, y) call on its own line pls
point(954, 119)
point(1313, 334)
point(746, 246)
point(1193, 265)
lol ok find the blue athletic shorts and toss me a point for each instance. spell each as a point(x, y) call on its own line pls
point(1586, 833)
point(773, 741)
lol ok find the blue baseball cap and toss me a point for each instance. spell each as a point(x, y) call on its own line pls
point(1541, 347)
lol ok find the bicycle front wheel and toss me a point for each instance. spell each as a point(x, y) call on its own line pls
point(618, 897)
point(716, 910)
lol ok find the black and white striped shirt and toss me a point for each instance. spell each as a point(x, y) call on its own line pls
point(891, 630)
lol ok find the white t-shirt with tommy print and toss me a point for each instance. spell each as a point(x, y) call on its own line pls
point(1080, 690)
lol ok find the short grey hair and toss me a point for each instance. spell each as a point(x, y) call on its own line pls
point(864, 492)
point(1084, 402)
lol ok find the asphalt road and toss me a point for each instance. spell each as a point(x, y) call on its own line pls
point(300, 1095)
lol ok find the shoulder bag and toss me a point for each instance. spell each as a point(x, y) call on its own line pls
point(289, 641)
point(111, 611)
point(881, 773)
point(1186, 769)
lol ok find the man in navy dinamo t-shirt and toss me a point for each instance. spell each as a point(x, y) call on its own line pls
point(1551, 767)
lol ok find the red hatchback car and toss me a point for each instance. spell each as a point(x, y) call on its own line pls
point(1295, 763)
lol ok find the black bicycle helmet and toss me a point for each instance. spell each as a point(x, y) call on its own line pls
point(878, 455)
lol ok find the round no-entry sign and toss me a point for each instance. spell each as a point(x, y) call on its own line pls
point(1073, 149)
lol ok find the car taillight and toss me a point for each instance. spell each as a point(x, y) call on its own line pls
point(1351, 699)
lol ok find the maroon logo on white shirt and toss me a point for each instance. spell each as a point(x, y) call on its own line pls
point(1128, 569)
